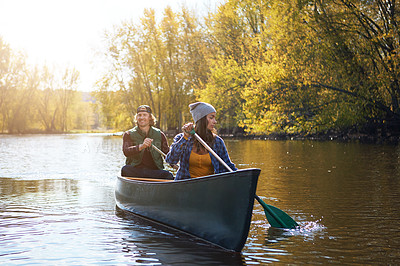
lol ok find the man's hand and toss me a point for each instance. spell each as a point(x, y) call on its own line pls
point(146, 144)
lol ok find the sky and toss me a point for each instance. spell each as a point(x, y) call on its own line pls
point(67, 33)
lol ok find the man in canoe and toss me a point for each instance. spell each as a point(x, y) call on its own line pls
point(195, 160)
point(142, 159)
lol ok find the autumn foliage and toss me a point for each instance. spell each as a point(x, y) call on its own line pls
point(290, 67)
point(285, 67)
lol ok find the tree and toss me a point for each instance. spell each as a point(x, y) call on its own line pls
point(158, 64)
point(66, 95)
point(47, 105)
point(5, 58)
point(111, 105)
point(365, 37)
point(238, 42)
point(308, 66)
point(17, 87)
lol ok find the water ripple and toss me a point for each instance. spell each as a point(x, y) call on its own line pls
point(57, 205)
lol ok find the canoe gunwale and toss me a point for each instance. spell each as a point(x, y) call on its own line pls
point(162, 181)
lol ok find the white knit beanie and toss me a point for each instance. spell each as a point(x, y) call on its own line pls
point(200, 110)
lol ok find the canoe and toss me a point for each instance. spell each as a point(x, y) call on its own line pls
point(215, 208)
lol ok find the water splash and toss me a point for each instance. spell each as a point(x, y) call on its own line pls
point(312, 226)
point(310, 230)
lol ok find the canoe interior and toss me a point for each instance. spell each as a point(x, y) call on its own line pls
point(216, 208)
point(147, 179)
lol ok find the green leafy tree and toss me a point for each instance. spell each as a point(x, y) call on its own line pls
point(237, 48)
point(306, 67)
point(158, 64)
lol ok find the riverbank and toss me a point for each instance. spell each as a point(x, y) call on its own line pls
point(367, 134)
point(377, 138)
point(349, 136)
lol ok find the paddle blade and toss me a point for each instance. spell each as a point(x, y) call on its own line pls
point(276, 217)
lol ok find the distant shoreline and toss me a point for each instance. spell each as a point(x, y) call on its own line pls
point(345, 137)
point(362, 138)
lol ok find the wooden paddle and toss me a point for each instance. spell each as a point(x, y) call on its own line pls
point(160, 151)
point(276, 217)
point(175, 166)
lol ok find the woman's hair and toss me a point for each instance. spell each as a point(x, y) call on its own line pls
point(152, 122)
point(207, 135)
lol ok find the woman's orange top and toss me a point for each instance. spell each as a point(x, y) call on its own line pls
point(200, 165)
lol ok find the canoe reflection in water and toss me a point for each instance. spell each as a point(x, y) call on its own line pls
point(216, 208)
point(148, 241)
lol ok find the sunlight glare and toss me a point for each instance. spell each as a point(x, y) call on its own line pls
point(68, 33)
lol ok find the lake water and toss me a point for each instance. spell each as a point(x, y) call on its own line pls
point(57, 205)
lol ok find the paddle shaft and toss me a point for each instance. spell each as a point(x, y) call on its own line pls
point(175, 166)
point(199, 139)
point(160, 151)
point(266, 207)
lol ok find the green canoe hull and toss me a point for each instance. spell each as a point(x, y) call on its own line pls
point(216, 208)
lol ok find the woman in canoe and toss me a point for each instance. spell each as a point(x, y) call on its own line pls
point(195, 160)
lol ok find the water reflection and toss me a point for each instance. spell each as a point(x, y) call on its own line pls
point(276, 234)
point(165, 241)
point(75, 156)
point(17, 188)
point(57, 205)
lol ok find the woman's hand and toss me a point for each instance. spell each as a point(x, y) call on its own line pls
point(186, 129)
